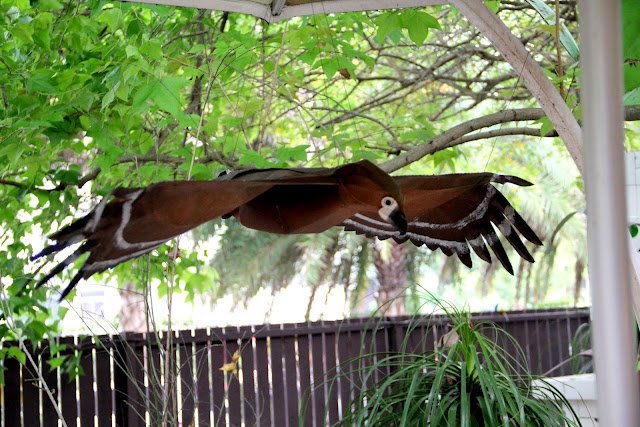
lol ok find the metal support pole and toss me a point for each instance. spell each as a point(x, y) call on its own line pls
point(602, 118)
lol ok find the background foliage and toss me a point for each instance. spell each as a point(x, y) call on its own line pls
point(96, 95)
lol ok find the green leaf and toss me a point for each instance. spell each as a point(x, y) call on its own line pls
point(42, 39)
point(112, 18)
point(43, 21)
point(132, 52)
point(108, 98)
point(253, 157)
point(22, 4)
point(41, 81)
point(18, 354)
point(632, 97)
point(493, 5)
point(269, 66)
point(386, 24)
point(417, 32)
point(200, 172)
point(134, 28)
point(49, 5)
point(298, 153)
point(545, 125)
point(331, 66)
point(422, 134)
point(23, 32)
point(153, 50)
point(56, 362)
point(633, 229)
point(165, 94)
point(631, 43)
point(549, 16)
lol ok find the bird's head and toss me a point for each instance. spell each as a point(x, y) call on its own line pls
point(375, 191)
point(391, 212)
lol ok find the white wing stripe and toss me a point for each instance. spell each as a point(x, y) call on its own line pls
point(461, 247)
point(98, 266)
point(372, 221)
point(120, 241)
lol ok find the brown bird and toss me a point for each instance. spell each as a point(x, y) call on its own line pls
point(450, 212)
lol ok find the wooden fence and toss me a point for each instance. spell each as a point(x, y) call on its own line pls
point(130, 380)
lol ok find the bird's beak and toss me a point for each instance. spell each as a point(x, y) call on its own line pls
point(398, 220)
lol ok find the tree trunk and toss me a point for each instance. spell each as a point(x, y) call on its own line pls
point(486, 283)
point(523, 267)
point(577, 285)
point(132, 318)
point(391, 272)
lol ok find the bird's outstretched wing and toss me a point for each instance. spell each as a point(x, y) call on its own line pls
point(455, 213)
point(134, 221)
point(450, 212)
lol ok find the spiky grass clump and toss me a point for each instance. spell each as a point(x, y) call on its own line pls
point(468, 381)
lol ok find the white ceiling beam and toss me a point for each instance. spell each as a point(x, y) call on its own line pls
point(263, 9)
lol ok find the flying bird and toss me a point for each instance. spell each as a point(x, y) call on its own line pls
point(456, 213)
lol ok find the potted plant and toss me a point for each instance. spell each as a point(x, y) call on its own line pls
point(468, 381)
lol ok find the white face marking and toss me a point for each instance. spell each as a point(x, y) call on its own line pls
point(387, 205)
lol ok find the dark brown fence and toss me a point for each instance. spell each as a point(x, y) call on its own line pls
point(132, 380)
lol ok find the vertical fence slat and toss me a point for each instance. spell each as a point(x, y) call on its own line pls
point(186, 404)
point(344, 355)
point(349, 348)
point(87, 397)
point(290, 371)
point(365, 380)
point(318, 384)
point(306, 392)
point(248, 382)
point(563, 344)
point(30, 395)
point(171, 381)
point(49, 413)
point(154, 375)
point(11, 392)
point(233, 389)
point(68, 401)
point(264, 386)
point(136, 390)
point(219, 357)
point(277, 382)
point(203, 377)
point(330, 354)
point(103, 386)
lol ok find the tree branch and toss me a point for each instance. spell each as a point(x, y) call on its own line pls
point(12, 183)
point(445, 139)
point(460, 134)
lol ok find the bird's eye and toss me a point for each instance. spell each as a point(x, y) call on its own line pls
point(388, 201)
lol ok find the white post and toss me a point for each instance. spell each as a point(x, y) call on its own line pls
point(602, 118)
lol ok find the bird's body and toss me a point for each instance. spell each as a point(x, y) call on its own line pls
point(451, 212)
